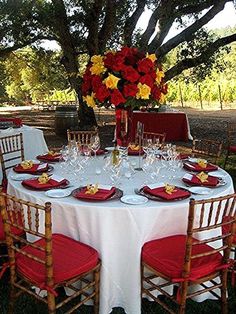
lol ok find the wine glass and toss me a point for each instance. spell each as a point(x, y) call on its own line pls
point(115, 174)
point(95, 144)
point(147, 145)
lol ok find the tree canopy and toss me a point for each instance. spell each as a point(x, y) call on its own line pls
point(92, 26)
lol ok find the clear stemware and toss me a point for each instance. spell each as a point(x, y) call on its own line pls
point(95, 144)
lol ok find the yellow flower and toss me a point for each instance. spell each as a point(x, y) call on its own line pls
point(97, 68)
point(89, 99)
point(143, 91)
point(169, 189)
point(97, 59)
point(111, 81)
point(202, 176)
point(152, 57)
point(160, 75)
point(162, 99)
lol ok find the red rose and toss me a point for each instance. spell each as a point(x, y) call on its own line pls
point(130, 90)
point(130, 74)
point(96, 82)
point(127, 51)
point(86, 85)
point(117, 98)
point(102, 93)
point(108, 60)
point(153, 74)
point(147, 79)
point(145, 65)
point(156, 92)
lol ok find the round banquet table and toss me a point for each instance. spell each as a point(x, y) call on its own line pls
point(117, 230)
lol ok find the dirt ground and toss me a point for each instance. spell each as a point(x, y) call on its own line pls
point(203, 124)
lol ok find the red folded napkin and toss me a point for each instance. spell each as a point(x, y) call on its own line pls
point(33, 169)
point(16, 121)
point(160, 192)
point(134, 152)
point(34, 184)
point(101, 194)
point(211, 181)
point(98, 152)
point(183, 156)
point(48, 157)
point(193, 166)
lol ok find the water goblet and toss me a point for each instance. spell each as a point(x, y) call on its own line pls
point(95, 144)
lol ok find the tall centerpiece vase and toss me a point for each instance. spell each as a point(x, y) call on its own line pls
point(123, 126)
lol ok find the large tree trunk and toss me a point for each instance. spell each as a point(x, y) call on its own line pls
point(87, 119)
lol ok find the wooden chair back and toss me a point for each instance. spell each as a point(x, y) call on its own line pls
point(207, 148)
point(36, 221)
point(17, 213)
point(80, 137)
point(206, 221)
point(11, 152)
point(155, 136)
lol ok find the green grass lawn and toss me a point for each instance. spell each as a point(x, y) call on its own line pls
point(27, 305)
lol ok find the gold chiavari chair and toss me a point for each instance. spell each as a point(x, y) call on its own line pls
point(207, 148)
point(41, 261)
point(11, 152)
point(195, 258)
point(80, 137)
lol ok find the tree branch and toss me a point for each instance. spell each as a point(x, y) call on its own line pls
point(187, 34)
point(165, 25)
point(204, 57)
point(132, 21)
point(4, 52)
point(108, 25)
point(150, 28)
point(92, 23)
point(195, 8)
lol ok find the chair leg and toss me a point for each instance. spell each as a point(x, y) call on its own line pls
point(96, 297)
point(183, 294)
point(224, 309)
point(51, 303)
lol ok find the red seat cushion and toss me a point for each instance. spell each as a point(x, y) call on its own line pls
point(16, 231)
point(232, 149)
point(70, 259)
point(166, 256)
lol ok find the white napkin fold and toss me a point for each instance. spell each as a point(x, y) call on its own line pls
point(188, 176)
point(189, 165)
point(42, 166)
point(104, 186)
point(156, 185)
point(57, 178)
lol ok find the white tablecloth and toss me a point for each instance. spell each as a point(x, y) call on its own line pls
point(33, 139)
point(118, 231)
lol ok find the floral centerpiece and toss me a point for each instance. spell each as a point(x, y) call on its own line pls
point(126, 78)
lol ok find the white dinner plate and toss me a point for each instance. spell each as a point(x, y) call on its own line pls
point(109, 149)
point(192, 159)
point(21, 176)
point(133, 199)
point(58, 193)
point(200, 190)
